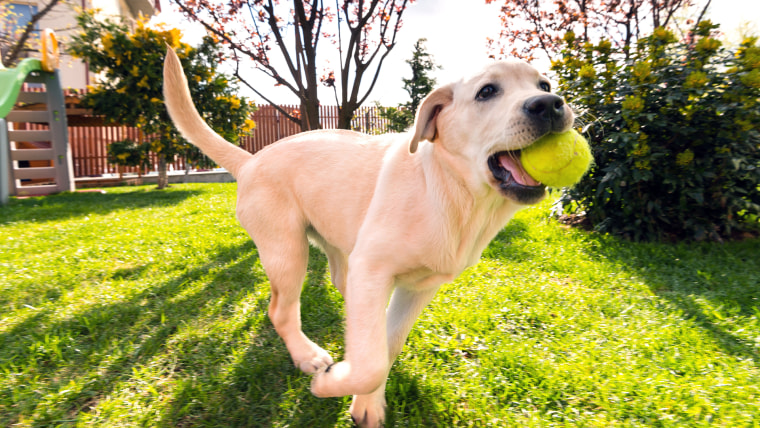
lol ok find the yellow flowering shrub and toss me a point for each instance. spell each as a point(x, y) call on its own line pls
point(130, 93)
point(675, 133)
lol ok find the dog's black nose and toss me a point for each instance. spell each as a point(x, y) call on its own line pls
point(547, 108)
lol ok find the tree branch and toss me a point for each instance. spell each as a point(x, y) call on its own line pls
point(12, 55)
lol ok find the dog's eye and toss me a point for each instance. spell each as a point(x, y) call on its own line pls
point(486, 92)
point(545, 86)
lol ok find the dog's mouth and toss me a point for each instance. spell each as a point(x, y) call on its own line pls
point(512, 179)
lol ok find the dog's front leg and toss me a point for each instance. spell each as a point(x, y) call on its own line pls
point(406, 304)
point(366, 365)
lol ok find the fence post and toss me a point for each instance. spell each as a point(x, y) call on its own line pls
point(90, 142)
point(5, 163)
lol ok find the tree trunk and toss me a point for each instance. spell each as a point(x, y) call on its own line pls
point(309, 116)
point(163, 177)
point(346, 115)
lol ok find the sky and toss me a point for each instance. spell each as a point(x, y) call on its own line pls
point(456, 37)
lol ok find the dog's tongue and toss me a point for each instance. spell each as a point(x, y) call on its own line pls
point(513, 165)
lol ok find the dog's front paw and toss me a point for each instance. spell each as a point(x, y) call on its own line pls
point(315, 361)
point(309, 357)
point(368, 411)
point(323, 382)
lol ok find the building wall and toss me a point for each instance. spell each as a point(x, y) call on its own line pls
point(62, 19)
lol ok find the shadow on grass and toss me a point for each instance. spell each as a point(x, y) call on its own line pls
point(238, 376)
point(69, 205)
point(703, 282)
point(263, 387)
point(502, 246)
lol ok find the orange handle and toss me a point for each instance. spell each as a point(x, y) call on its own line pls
point(50, 51)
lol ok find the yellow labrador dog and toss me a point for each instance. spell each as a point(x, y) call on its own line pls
point(397, 215)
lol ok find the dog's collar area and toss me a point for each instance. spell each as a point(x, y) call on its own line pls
point(514, 182)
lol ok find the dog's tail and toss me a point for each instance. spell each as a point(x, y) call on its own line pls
point(190, 123)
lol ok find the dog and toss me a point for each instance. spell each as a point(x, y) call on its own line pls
point(397, 215)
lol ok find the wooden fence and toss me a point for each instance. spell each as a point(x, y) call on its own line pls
point(89, 138)
point(89, 143)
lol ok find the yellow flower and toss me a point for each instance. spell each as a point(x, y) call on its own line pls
point(697, 79)
point(174, 37)
point(707, 45)
point(135, 71)
point(249, 125)
point(144, 82)
point(744, 124)
point(642, 149)
point(587, 72)
point(684, 158)
point(663, 35)
point(751, 79)
point(643, 164)
point(107, 41)
point(633, 104)
point(642, 70)
point(604, 47)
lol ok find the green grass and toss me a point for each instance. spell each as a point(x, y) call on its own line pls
point(148, 308)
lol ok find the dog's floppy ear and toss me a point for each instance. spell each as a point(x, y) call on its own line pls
point(426, 121)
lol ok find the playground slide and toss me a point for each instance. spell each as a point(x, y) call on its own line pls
point(12, 79)
point(15, 178)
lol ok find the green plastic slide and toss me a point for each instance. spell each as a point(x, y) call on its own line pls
point(11, 80)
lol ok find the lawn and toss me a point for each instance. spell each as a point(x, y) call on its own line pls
point(148, 308)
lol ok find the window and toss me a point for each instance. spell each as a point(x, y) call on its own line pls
point(15, 17)
point(22, 13)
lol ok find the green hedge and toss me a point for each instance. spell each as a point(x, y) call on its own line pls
point(674, 127)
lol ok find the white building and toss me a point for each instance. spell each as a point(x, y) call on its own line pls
point(62, 19)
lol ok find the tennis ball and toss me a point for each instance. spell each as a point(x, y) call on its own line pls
point(557, 160)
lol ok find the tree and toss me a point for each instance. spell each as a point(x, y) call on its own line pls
point(14, 38)
point(363, 32)
point(130, 90)
point(418, 86)
point(539, 25)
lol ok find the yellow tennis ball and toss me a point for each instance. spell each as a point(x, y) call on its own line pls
point(557, 160)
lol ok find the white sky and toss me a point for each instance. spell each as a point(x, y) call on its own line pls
point(456, 37)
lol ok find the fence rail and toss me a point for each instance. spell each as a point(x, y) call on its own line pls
point(89, 142)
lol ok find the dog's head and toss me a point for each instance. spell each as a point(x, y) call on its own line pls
point(484, 120)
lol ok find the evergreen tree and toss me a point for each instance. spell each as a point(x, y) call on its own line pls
point(418, 86)
point(421, 83)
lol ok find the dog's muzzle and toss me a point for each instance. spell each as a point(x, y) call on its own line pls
point(513, 181)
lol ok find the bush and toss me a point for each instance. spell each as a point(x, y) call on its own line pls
point(129, 62)
point(674, 131)
point(128, 153)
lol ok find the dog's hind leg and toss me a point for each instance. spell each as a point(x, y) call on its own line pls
point(285, 262)
point(338, 269)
